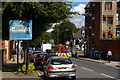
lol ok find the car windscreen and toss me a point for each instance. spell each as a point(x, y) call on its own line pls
point(37, 53)
point(61, 61)
point(39, 56)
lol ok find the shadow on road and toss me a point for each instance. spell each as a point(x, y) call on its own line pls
point(63, 78)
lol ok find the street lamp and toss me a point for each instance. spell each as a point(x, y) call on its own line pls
point(58, 36)
point(84, 49)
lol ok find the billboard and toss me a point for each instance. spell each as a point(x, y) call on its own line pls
point(20, 29)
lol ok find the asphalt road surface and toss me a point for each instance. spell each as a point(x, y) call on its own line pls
point(87, 70)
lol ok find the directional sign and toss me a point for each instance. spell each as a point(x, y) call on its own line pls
point(20, 29)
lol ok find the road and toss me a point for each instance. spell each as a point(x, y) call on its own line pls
point(87, 70)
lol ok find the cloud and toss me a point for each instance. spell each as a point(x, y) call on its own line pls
point(78, 21)
point(79, 8)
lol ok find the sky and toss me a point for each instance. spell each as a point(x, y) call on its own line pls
point(78, 20)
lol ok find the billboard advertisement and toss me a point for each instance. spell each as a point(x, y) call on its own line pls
point(20, 29)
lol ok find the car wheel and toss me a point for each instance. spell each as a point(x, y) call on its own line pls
point(73, 77)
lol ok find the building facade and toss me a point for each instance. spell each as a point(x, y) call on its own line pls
point(118, 20)
point(101, 29)
point(108, 20)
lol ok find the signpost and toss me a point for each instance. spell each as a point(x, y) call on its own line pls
point(21, 30)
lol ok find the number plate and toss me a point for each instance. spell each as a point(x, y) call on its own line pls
point(62, 68)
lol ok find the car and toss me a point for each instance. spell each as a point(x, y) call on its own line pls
point(45, 58)
point(32, 55)
point(39, 59)
point(59, 66)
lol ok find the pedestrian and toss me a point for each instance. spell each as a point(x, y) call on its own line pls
point(109, 55)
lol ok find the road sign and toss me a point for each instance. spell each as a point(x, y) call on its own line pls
point(20, 29)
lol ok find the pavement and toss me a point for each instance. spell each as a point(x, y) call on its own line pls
point(112, 63)
point(105, 62)
point(9, 71)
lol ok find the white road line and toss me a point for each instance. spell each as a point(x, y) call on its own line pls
point(107, 75)
point(87, 68)
point(38, 73)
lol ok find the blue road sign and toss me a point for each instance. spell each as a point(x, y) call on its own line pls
point(20, 29)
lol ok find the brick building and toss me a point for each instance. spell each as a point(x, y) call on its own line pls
point(101, 29)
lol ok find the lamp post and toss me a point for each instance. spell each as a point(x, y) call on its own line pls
point(58, 36)
point(84, 48)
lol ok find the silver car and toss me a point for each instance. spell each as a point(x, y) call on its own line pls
point(59, 66)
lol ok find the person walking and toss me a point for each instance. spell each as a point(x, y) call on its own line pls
point(109, 55)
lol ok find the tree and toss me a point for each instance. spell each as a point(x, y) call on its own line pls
point(63, 32)
point(42, 14)
point(47, 37)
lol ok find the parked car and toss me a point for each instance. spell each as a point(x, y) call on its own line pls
point(39, 59)
point(59, 66)
point(33, 54)
point(45, 58)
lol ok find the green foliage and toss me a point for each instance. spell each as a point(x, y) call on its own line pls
point(118, 38)
point(42, 14)
point(63, 32)
point(22, 67)
point(46, 36)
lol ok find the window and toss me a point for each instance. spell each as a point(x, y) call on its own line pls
point(110, 20)
point(103, 35)
point(104, 18)
point(60, 61)
point(109, 35)
point(108, 5)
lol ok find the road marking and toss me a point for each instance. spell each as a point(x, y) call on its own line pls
point(107, 75)
point(87, 68)
point(38, 73)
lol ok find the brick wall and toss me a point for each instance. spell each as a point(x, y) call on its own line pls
point(2, 44)
point(113, 45)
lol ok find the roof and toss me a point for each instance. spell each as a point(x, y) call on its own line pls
point(78, 33)
point(88, 5)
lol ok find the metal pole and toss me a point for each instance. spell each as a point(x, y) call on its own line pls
point(17, 48)
point(27, 58)
point(24, 51)
point(84, 48)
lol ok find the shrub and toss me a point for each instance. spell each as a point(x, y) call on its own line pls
point(22, 67)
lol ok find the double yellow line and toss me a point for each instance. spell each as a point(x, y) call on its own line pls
point(38, 73)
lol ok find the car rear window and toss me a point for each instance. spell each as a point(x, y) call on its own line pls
point(60, 61)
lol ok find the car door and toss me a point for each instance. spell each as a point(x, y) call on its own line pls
point(46, 66)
